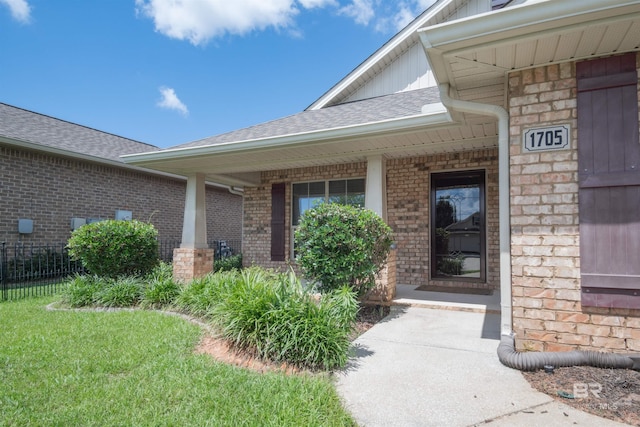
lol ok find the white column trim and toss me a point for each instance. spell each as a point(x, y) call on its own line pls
point(194, 226)
point(375, 196)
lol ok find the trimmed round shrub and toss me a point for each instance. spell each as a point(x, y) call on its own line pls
point(341, 245)
point(114, 248)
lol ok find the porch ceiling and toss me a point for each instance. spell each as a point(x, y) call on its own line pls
point(240, 163)
point(474, 55)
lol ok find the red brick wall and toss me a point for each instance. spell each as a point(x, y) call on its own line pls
point(51, 190)
point(408, 189)
point(545, 234)
point(257, 209)
point(407, 210)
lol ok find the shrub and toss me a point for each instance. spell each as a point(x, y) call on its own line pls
point(451, 265)
point(115, 248)
point(81, 291)
point(341, 245)
point(228, 263)
point(160, 289)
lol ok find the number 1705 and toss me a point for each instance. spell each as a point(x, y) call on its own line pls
point(546, 138)
point(550, 138)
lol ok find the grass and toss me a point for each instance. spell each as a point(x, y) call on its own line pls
point(138, 368)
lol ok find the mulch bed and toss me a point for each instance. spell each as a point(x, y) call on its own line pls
point(608, 393)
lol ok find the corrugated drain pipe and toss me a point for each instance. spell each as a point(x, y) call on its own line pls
point(531, 361)
point(507, 354)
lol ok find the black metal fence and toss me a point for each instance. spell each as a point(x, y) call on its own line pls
point(34, 269)
point(30, 269)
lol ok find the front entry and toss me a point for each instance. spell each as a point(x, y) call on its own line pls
point(457, 223)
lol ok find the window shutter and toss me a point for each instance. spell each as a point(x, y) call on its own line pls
point(277, 222)
point(609, 180)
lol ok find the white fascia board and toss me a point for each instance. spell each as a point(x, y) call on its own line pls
point(67, 153)
point(516, 18)
point(437, 114)
point(378, 55)
point(93, 159)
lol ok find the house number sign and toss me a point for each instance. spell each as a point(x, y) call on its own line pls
point(546, 138)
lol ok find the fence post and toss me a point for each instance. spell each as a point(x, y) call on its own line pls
point(3, 272)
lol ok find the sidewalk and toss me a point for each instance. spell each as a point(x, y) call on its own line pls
point(435, 367)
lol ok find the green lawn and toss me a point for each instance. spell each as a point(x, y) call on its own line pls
point(137, 368)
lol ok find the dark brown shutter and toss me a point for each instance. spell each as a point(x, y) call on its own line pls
point(609, 177)
point(277, 221)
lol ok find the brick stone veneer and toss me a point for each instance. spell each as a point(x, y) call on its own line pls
point(407, 212)
point(385, 289)
point(408, 188)
point(52, 189)
point(189, 264)
point(547, 314)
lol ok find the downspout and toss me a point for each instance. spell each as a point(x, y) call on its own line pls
point(503, 198)
point(507, 354)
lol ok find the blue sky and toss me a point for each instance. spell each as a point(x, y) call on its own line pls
point(168, 72)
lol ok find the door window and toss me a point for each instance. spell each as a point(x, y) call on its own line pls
point(458, 225)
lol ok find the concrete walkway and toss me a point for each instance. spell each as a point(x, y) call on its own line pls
point(438, 367)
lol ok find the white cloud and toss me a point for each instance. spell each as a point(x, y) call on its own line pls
point(312, 4)
point(400, 15)
point(171, 101)
point(201, 20)
point(404, 16)
point(361, 11)
point(20, 9)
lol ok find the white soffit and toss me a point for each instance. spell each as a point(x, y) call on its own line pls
point(479, 51)
point(243, 167)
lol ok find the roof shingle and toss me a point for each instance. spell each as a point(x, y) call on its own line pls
point(27, 126)
point(395, 106)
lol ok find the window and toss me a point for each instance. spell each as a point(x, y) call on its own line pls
point(458, 226)
point(307, 195)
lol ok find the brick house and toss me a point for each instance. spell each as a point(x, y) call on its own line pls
point(52, 171)
point(498, 139)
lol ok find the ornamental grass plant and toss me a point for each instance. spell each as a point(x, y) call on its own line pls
point(261, 311)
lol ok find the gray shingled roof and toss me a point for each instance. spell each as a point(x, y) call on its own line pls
point(27, 126)
point(399, 105)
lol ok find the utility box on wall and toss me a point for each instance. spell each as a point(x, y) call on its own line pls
point(77, 223)
point(25, 226)
point(124, 215)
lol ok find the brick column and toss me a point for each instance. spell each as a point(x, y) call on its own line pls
point(189, 263)
point(385, 289)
